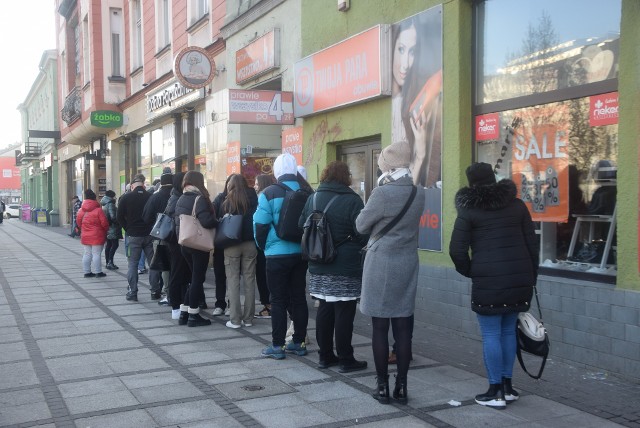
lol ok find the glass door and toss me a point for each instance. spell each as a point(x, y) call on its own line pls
point(362, 159)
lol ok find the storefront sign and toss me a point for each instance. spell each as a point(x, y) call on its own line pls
point(603, 109)
point(488, 127)
point(348, 72)
point(430, 228)
point(233, 158)
point(106, 119)
point(194, 67)
point(169, 98)
point(260, 107)
point(292, 143)
point(258, 57)
point(540, 163)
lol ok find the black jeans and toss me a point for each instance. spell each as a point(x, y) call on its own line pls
point(110, 249)
point(179, 275)
point(286, 278)
point(261, 278)
point(221, 279)
point(335, 318)
point(198, 261)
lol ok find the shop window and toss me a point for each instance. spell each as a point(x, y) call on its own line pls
point(156, 146)
point(546, 116)
point(168, 142)
point(145, 149)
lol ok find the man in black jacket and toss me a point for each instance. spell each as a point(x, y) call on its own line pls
point(156, 204)
point(130, 209)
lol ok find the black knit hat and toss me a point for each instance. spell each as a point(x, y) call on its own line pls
point(480, 174)
point(110, 193)
point(166, 177)
point(89, 194)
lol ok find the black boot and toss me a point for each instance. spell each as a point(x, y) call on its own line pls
point(382, 389)
point(510, 394)
point(184, 318)
point(494, 397)
point(195, 320)
point(400, 391)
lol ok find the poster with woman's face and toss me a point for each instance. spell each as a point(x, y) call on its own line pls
point(416, 108)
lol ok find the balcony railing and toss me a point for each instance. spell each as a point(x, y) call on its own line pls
point(28, 152)
point(72, 106)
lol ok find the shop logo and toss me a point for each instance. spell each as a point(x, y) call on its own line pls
point(603, 109)
point(106, 119)
point(487, 127)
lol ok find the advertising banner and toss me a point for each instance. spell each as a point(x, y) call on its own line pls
point(603, 109)
point(292, 143)
point(416, 110)
point(233, 158)
point(350, 71)
point(260, 107)
point(540, 162)
point(251, 167)
point(258, 57)
point(488, 127)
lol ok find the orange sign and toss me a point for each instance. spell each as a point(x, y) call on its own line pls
point(540, 163)
point(260, 107)
point(350, 71)
point(292, 143)
point(258, 57)
point(233, 158)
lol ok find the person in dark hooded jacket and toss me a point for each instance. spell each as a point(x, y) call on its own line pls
point(497, 227)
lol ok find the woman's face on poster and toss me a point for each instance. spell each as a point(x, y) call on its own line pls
point(403, 54)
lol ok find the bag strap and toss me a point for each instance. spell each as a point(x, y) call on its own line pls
point(395, 220)
point(324, 211)
point(535, 291)
point(193, 211)
point(521, 361)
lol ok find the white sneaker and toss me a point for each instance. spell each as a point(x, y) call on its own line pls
point(227, 312)
point(217, 312)
point(175, 314)
point(246, 324)
point(232, 325)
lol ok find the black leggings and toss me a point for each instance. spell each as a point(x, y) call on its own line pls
point(110, 249)
point(401, 328)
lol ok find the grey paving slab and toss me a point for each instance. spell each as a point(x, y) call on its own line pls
point(161, 393)
point(91, 387)
point(406, 422)
point(10, 334)
point(183, 413)
point(101, 401)
point(17, 374)
point(220, 372)
point(218, 422)
point(13, 352)
point(327, 391)
point(358, 406)
point(35, 318)
point(33, 298)
point(22, 413)
point(61, 346)
point(109, 341)
point(54, 329)
point(78, 367)
point(254, 388)
point(477, 416)
point(271, 402)
point(84, 313)
point(132, 360)
point(295, 416)
point(129, 419)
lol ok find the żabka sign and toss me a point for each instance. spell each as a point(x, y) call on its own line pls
point(488, 127)
point(603, 109)
point(106, 119)
point(258, 57)
point(351, 71)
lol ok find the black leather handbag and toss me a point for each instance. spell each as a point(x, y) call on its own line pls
point(163, 227)
point(229, 231)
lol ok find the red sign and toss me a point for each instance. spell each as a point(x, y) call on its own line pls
point(350, 71)
point(488, 127)
point(9, 173)
point(260, 107)
point(233, 158)
point(292, 143)
point(603, 109)
point(258, 57)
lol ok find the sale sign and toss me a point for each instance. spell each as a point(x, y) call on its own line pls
point(292, 143)
point(540, 163)
point(233, 158)
point(350, 71)
point(603, 109)
point(258, 57)
point(488, 127)
point(260, 107)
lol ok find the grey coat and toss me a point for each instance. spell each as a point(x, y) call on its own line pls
point(390, 276)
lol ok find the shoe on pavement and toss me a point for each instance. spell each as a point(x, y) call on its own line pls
point(132, 297)
point(114, 266)
point(89, 275)
point(110, 266)
point(232, 325)
point(217, 312)
point(183, 319)
point(299, 349)
point(101, 275)
point(142, 271)
point(352, 366)
point(227, 312)
point(494, 397)
point(329, 362)
point(203, 305)
point(195, 320)
point(175, 314)
point(156, 295)
point(164, 302)
point(275, 352)
point(510, 394)
point(247, 324)
point(264, 313)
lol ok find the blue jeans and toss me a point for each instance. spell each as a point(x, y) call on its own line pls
point(498, 344)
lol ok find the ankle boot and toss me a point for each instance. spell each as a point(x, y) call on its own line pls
point(494, 397)
point(400, 391)
point(195, 320)
point(382, 389)
point(510, 394)
point(184, 318)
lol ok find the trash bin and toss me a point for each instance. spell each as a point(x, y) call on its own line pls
point(54, 218)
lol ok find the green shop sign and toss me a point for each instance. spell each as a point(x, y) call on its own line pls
point(106, 119)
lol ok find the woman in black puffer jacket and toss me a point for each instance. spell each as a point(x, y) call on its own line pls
point(503, 266)
point(192, 187)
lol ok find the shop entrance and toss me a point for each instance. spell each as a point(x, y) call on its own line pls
point(362, 159)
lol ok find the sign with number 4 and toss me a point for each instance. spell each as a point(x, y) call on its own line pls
point(261, 107)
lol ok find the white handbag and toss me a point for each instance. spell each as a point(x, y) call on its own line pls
point(192, 234)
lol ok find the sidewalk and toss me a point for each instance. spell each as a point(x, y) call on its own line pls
point(75, 353)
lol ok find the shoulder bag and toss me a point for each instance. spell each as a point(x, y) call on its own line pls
point(532, 338)
point(388, 227)
point(229, 231)
point(163, 227)
point(192, 234)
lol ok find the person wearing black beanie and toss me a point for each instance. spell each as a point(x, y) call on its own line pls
point(89, 194)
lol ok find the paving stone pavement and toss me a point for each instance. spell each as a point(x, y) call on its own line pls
point(74, 353)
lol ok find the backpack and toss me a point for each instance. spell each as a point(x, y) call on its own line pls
point(317, 242)
point(293, 204)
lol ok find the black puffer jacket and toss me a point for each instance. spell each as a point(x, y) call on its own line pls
point(498, 229)
point(204, 210)
point(157, 203)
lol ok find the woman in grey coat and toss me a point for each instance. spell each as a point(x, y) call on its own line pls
point(390, 275)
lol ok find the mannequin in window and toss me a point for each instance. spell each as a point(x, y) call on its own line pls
point(577, 206)
point(603, 201)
